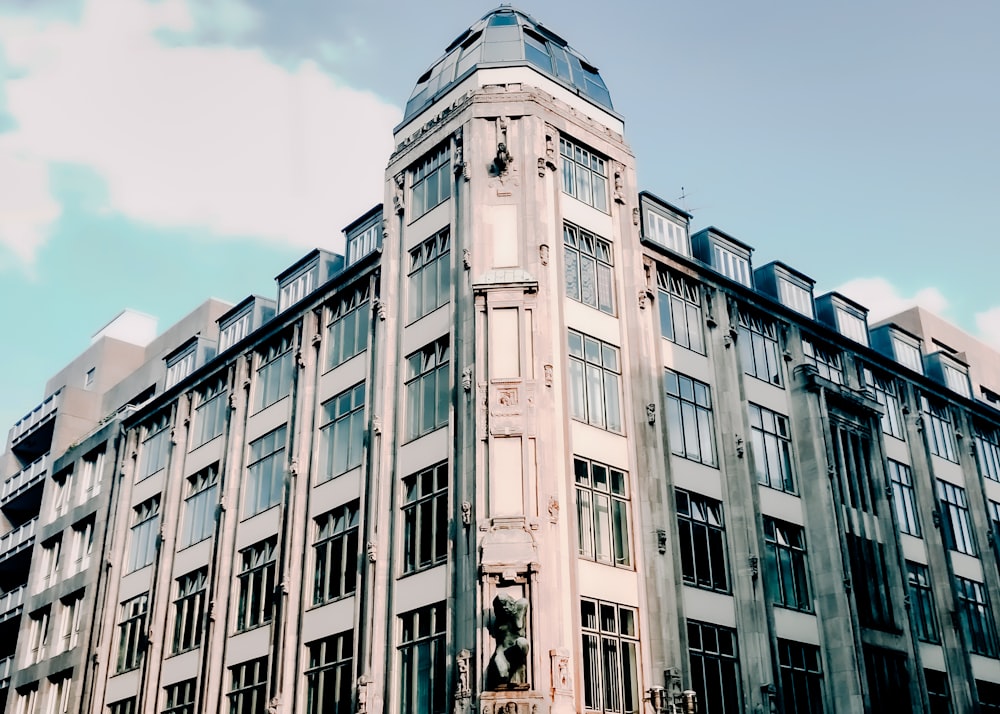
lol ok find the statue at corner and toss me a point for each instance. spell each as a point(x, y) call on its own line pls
point(508, 665)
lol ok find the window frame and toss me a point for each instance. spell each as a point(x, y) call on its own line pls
point(432, 169)
point(190, 594)
point(787, 562)
point(336, 546)
point(939, 428)
point(600, 258)
point(828, 360)
point(428, 367)
point(800, 669)
point(132, 614)
point(425, 499)
point(349, 325)
point(701, 540)
point(680, 311)
point(973, 606)
point(886, 391)
point(584, 174)
point(179, 697)
point(595, 377)
point(690, 418)
point(956, 519)
point(771, 441)
point(144, 534)
point(707, 656)
point(248, 679)
point(342, 432)
point(428, 276)
point(274, 374)
point(256, 582)
point(340, 667)
point(904, 498)
point(923, 610)
point(604, 539)
point(610, 661)
point(422, 658)
point(210, 413)
point(265, 471)
point(200, 506)
point(759, 349)
point(988, 450)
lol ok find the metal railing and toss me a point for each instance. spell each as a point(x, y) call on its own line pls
point(6, 667)
point(30, 420)
point(13, 540)
point(11, 601)
point(24, 478)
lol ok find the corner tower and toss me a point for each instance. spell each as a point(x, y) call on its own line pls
point(510, 257)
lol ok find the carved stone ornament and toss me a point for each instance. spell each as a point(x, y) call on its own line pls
point(466, 513)
point(561, 681)
point(651, 413)
point(466, 258)
point(467, 379)
point(397, 194)
point(553, 509)
point(547, 370)
point(299, 359)
point(619, 184)
point(274, 706)
point(543, 254)
point(550, 149)
point(385, 228)
point(377, 424)
point(661, 541)
point(643, 297)
point(380, 308)
point(370, 550)
point(293, 467)
point(508, 666)
point(463, 676)
point(635, 216)
point(362, 695)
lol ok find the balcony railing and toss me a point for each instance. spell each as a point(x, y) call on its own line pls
point(25, 478)
point(11, 603)
point(6, 667)
point(36, 416)
point(18, 539)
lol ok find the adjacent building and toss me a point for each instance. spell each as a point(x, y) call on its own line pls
point(530, 445)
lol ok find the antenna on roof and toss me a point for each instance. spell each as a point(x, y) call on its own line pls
point(683, 199)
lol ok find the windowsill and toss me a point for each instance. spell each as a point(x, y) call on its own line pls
point(251, 628)
point(247, 517)
point(597, 426)
point(424, 568)
point(695, 461)
point(427, 210)
point(696, 586)
point(418, 318)
point(330, 368)
point(685, 347)
point(625, 568)
point(765, 381)
point(268, 406)
point(318, 605)
point(411, 439)
point(192, 545)
point(204, 443)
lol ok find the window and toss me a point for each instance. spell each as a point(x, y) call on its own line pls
point(801, 677)
point(199, 506)
point(702, 541)
point(786, 568)
point(888, 680)
point(667, 233)
point(145, 534)
point(759, 351)
point(38, 635)
point(297, 287)
point(938, 694)
point(887, 395)
point(337, 551)
point(59, 686)
point(715, 669)
point(27, 699)
point(256, 580)
point(689, 418)
point(938, 428)
point(731, 264)
point(361, 244)
point(210, 414)
point(62, 498)
point(852, 461)
point(988, 694)
point(610, 657)
point(427, 390)
point(922, 610)
point(155, 444)
point(908, 355)
point(82, 544)
point(233, 331)
point(429, 276)
point(903, 498)
point(329, 678)
point(795, 296)
point(425, 518)
point(189, 607)
point(342, 436)
point(179, 697)
point(680, 311)
point(123, 706)
point(266, 472)
point(957, 380)
point(132, 632)
point(431, 182)
point(248, 687)
point(91, 468)
point(51, 554)
point(870, 582)
point(584, 174)
point(595, 382)
point(602, 512)
point(180, 366)
point(88, 379)
point(974, 613)
point(988, 451)
point(422, 658)
point(69, 625)
point(590, 276)
point(826, 360)
point(274, 375)
point(956, 528)
point(350, 323)
point(852, 326)
point(772, 449)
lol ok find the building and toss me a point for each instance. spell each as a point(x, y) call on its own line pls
point(530, 446)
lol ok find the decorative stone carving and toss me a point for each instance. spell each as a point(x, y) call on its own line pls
point(398, 203)
point(274, 706)
point(466, 258)
point(463, 677)
point(466, 513)
point(635, 216)
point(385, 228)
point(377, 425)
point(553, 509)
point(299, 359)
point(651, 413)
point(362, 695)
point(642, 299)
point(381, 309)
point(561, 682)
point(550, 149)
point(508, 665)
point(507, 397)
point(316, 339)
point(661, 541)
point(541, 167)
point(547, 370)
point(543, 254)
point(370, 550)
point(293, 467)
point(619, 183)
point(467, 379)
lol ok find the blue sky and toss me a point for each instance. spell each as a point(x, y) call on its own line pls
point(153, 154)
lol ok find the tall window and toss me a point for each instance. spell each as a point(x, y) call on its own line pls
point(265, 473)
point(59, 686)
point(595, 382)
point(702, 541)
point(199, 506)
point(956, 528)
point(786, 567)
point(826, 360)
point(350, 323)
point(427, 388)
point(336, 550)
point(886, 394)
point(801, 677)
point(155, 444)
point(922, 610)
point(91, 468)
point(425, 518)
point(852, 462)
point(938, 694)
point(974, 613)
point(69, 625)
point(939, 429)
point(132, 632)
point(63, 496)
point(689, 418)
point(343, 432)
point(256, 580)
point(38, 634)
point(422, 657)
point(602, 511)
point(179, 698)
point(189, 608)
point(123, 706)
point(680, 310)
point(210, 414)
point(248, 687)
point(329, 678)
point(51, 557)
point(27, 700)
point(988, 694)
point(903, 498)
point(715, 669)
point(431, 182)
point(589, 272)
point(610, 657)
point(430, 275)
point(988, 450)
point(584, 174)
point(145, 530)
point(82, 544)
point(274, 374)
point(772, 448)
point(759, 351)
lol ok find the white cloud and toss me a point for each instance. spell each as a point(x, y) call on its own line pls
point(988, 326)
point(215, 137)
point(883, 299)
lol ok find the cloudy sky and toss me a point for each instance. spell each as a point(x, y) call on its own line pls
point(157, 152)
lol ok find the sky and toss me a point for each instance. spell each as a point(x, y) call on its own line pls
point(154, 153)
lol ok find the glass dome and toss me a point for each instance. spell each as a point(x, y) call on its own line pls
point(502, 38)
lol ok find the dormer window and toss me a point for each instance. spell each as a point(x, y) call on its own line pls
point(731, 264)
point(180, 365)
point(234, 330)
point(795, 296)
point(907, 354)
point(724, 254)
point(956, 379)
point(297, 286)
point(362, 243)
